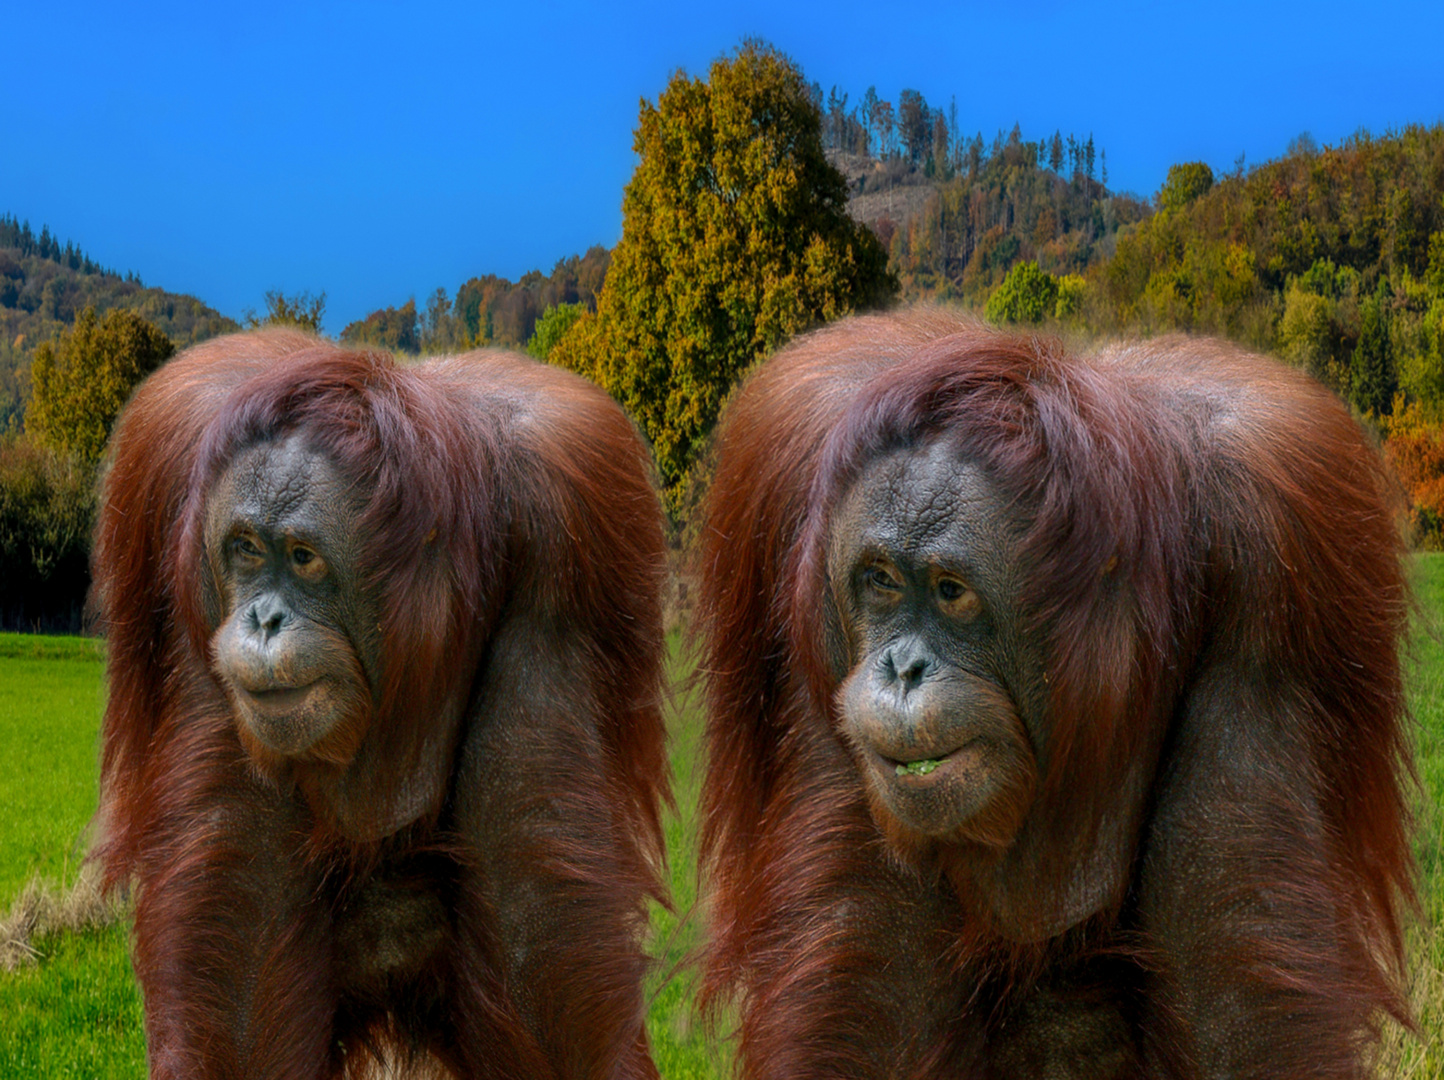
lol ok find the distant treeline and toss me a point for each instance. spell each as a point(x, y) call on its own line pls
point(924, 136)
point(954, 212)
point(487, 310)
point(18, 235)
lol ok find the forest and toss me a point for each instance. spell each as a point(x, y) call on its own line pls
point(44, 286)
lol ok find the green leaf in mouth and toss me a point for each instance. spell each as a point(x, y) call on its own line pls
point(918, 768)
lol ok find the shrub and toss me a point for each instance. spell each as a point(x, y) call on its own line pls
point(1026, 295)
point(47, 507)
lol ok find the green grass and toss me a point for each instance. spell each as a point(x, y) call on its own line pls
point(51, 697)
point(1423, 1058)
point(77, 1013)
point(679, 1045)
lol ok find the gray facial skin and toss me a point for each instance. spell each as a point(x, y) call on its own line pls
point(923, 585)
point(279, 532)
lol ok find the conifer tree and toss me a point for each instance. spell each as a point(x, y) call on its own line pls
point(735, 236)
point(1372, 375)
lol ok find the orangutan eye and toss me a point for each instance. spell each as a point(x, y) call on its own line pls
point(880, 577)
point(307, 563)
point(247, 548)
point(957, 599)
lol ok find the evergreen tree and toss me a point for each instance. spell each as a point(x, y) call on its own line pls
point(955, 144)
point(914, 125)
point(735, 236)
point(868, 111)
point(940, 164)
point(1372, 377)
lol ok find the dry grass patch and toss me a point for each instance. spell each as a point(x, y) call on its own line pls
point(41, 910)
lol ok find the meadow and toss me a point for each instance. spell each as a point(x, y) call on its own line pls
point(70, 1008)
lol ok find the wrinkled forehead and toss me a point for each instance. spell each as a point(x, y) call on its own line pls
point(279, 486)
point(926, 503)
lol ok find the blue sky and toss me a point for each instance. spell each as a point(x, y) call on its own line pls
point(378, 151)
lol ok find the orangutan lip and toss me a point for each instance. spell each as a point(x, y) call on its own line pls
point(279, 698)
point(909, 771)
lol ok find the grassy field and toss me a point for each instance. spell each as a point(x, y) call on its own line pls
point(76, 1013)
point(1423, 1058)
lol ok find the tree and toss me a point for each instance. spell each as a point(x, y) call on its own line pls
point(867, 111)
point(81, 381)
point(1071, 290)
point(941, 165)
point(914, 124)
point(390, 328)
point(835, 132)
point(975, 156)
point(1027, 294)
point(1185, 183)
point(553, 325)
point(735, 236)
point(440, 329)
point(1434, 276)
point(955, 142)
point(47, 511)
point(1309, 333)
point(1372, 376)
point(885, 129)
point(302, 310)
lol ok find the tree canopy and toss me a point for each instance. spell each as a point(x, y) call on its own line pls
point(81, 381)
point(45, 285)
point(735, 236)
point(555, 321)
point(1027, 294)
point(390, 328)
point(1184, 183)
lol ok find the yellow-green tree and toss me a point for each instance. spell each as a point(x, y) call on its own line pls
point(82, 380)
point(1027, 294)
point(735, 236)
point(1185, 183)
point(553, 325)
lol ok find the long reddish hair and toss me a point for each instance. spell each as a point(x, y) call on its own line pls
point(442, 482)
point(1176, 498)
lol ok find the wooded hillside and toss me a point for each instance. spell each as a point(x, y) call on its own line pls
point(44, 286)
